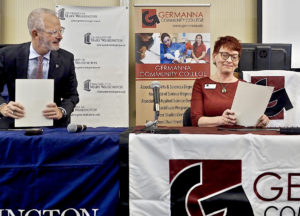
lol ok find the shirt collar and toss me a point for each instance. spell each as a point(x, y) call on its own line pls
point(33, 54)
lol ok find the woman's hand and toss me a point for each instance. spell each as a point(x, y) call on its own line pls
point(228, 118)
point(263, 121)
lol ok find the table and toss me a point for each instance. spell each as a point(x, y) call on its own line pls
point(60, 173)
point(214, 173)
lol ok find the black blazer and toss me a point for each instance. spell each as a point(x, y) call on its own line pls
point(14, 65)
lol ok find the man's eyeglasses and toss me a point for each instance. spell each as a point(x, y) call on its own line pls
point(56, 32)
point(225, 56)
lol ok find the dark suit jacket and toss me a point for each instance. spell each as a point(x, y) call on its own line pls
point(14, 65)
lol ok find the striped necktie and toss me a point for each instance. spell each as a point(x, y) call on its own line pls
point(39, 71)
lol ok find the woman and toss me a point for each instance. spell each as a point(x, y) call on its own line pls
point(199, 49)
point(170, 52)
point(212, 97)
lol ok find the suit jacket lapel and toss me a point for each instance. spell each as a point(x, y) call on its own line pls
point(53, 64)
point(22, 62)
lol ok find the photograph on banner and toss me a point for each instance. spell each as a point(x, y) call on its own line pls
point(184, 48)
point(147, 48)
point(172, 48)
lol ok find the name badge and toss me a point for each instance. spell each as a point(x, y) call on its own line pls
point(210, 86)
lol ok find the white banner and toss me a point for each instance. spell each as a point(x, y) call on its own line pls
point(98, 38)
point(214, 175)
point(284, 106)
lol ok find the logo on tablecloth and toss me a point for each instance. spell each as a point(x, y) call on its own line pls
point(279, 99)
point(206, 187)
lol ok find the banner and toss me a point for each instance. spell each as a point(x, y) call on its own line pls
point(172, 46)
point(101, 60)
point(283, 109)
point(214, 175)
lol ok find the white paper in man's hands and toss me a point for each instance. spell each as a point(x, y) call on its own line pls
point(250, 102)
point(34, 95)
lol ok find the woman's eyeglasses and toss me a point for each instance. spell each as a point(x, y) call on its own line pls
point(226, 55)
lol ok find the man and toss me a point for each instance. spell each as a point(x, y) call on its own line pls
point(21, 62)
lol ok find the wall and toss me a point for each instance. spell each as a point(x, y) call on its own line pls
point(228, 17)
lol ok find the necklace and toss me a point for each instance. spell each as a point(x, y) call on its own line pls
point(224, 90)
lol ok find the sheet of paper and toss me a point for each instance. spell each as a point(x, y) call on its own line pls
point(34, 95)
point(250, 102)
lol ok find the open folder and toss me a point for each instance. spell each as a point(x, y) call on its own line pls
point(250, 102)
point(34, 95)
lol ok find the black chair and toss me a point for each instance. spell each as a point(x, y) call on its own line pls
point(187, 118)
point(4, 45)
point(5, 91)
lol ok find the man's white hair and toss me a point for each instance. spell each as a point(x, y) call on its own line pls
point(35, 19)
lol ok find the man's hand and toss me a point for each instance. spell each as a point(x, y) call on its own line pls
point(52, 112)
point(12, 109)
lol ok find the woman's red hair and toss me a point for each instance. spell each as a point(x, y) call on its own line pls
point(229, 42)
